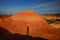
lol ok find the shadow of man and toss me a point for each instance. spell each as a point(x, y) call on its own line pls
point(6, 35)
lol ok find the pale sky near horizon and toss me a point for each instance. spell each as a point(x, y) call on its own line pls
point(39, 6)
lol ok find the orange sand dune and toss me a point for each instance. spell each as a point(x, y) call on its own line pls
point(38, 27)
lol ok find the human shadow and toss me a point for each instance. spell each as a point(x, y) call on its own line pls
point(6, 35)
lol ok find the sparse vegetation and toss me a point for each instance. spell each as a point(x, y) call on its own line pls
point(52, 21)
point(51, 18)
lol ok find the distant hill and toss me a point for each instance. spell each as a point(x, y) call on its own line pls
point(4, 16)
point(51, 16)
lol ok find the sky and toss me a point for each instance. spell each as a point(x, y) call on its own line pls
point(40, 6)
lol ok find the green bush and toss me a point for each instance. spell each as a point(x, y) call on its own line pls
point(50, 21)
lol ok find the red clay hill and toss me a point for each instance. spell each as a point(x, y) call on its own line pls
point(29, 23)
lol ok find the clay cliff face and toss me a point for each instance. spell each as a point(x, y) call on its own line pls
point(38, 27)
